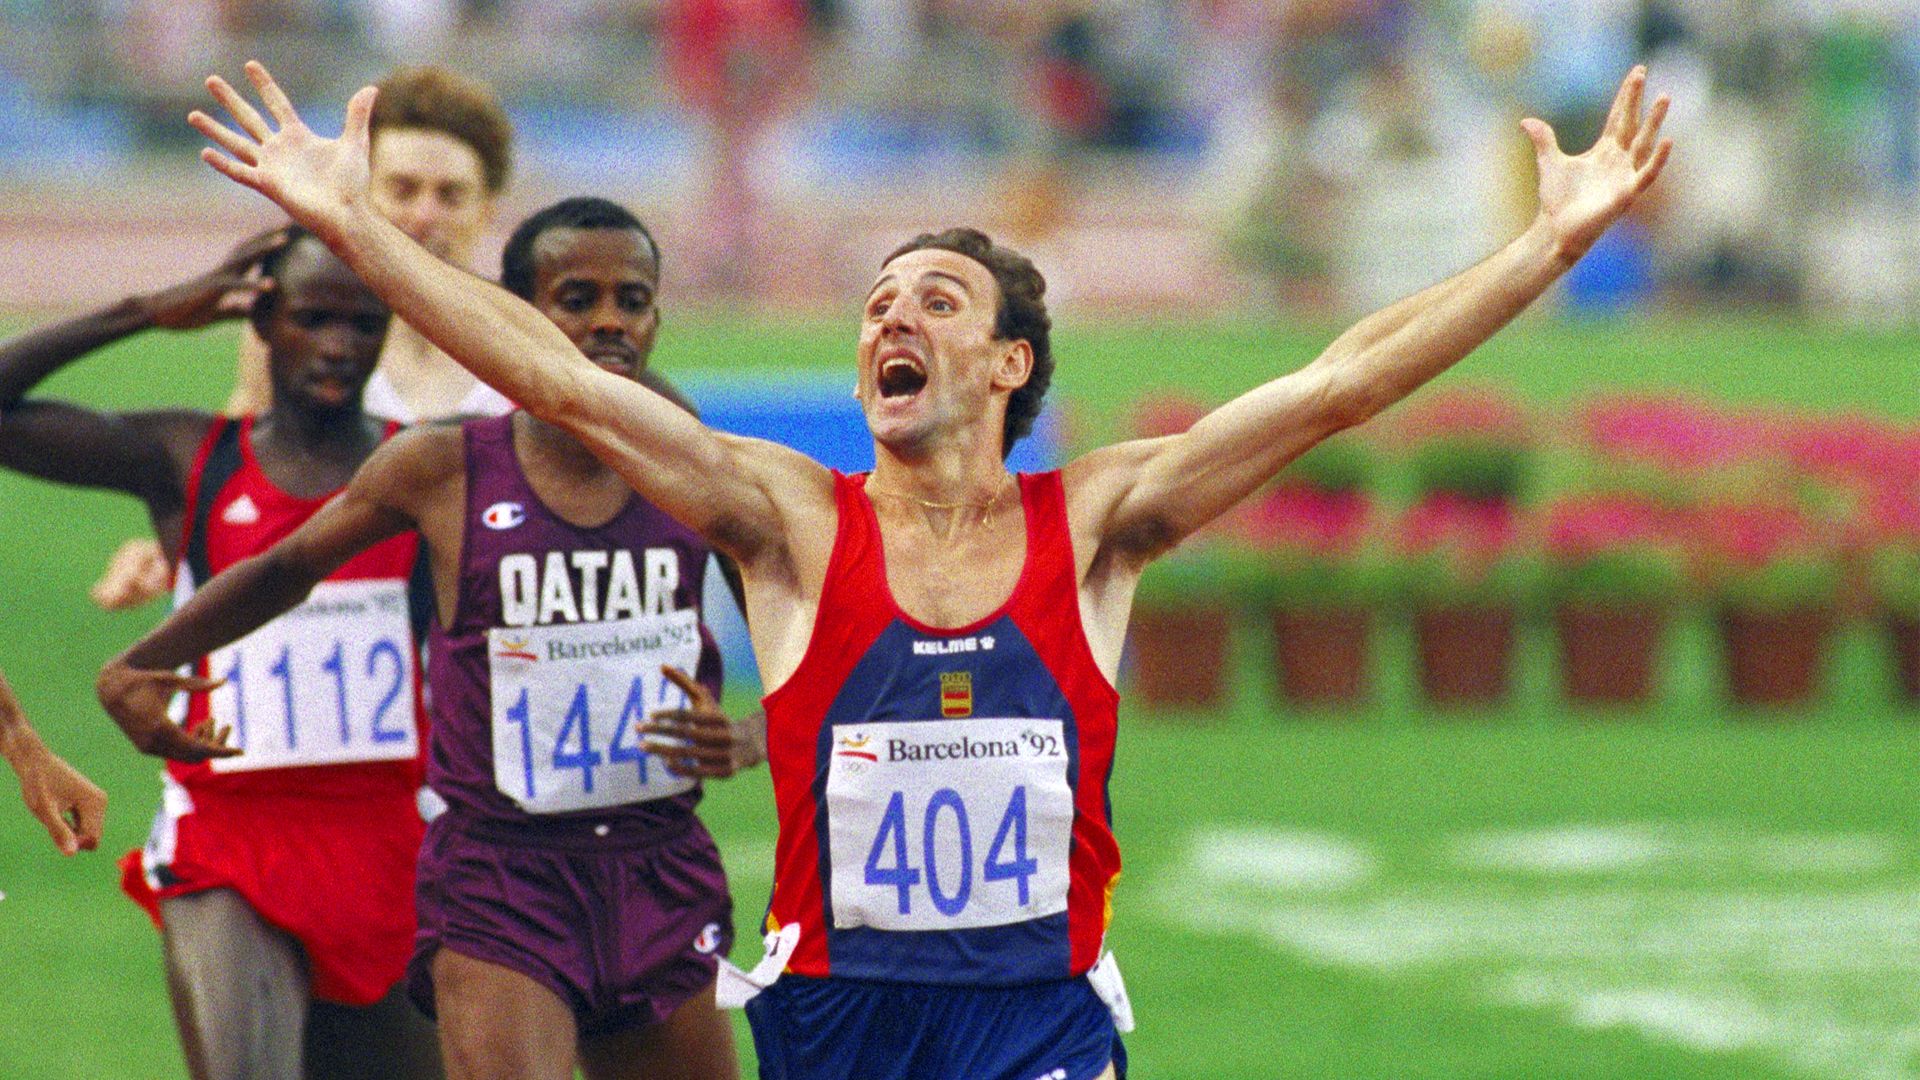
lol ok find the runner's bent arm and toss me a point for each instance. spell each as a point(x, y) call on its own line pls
point(716, 484)
point(141, 454)
point(135, 686)
point(1143, 497)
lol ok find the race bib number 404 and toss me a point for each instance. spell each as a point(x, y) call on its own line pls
point(948, 824)
point(566, 699)
point(330, 682)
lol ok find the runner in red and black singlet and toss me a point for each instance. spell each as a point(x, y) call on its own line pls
point(315, 824)
point(572, 908)
point(279, 868)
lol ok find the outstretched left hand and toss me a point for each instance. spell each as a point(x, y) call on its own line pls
point(1580, 196)
point(318, 181)
point(699, 740)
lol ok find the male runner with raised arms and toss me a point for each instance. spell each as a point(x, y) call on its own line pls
point(282, 880)
point(442, 154)
point(939, 638)
point(572, 908)
point(67, 804)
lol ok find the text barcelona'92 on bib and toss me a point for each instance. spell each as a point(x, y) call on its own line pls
point(566, 699)
point(330, 682)
point(948, 824)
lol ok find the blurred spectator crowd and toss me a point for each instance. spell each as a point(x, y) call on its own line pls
point(1345, 151)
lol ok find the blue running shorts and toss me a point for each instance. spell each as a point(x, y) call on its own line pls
point(838, 1028)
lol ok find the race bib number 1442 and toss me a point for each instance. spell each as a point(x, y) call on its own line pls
point(566, 699)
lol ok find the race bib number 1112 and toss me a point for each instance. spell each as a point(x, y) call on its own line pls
point(328, 683)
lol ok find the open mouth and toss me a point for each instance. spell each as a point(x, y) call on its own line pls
point(901, 376)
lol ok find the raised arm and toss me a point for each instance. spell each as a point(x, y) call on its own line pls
point(138, 453)
point(715, 484)
point(136, 686)
point(1144, 497)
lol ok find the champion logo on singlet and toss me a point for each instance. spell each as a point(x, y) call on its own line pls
point(503, 515)
point(709, 939)
point(241, 511)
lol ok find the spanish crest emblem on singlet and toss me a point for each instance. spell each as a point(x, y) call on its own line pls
point(956, 693)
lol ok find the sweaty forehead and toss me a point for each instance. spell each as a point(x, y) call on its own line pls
point(916, 265)
point(425, 154)
point(600, 253)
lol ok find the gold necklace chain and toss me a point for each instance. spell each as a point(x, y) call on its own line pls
point(986, 508)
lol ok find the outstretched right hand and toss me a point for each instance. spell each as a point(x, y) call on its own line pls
point(317, 181)
point(137, 700)
point(225, 292)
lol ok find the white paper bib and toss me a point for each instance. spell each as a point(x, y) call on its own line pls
point(948, 824)
point(566, 698)
point(328, 683)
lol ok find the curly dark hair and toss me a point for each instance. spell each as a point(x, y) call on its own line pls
point(1022, 315)
point(579, 212)
point(435, 99)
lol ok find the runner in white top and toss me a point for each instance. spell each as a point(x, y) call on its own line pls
point(384, 401)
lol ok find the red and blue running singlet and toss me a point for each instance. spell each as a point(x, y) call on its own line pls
point(942, 793)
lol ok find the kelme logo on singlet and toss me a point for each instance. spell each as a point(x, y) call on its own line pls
point(950, 646)
point(241, 511)
point(503, 515)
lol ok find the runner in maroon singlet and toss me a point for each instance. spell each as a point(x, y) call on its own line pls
point(281, 879)
point(572, 907)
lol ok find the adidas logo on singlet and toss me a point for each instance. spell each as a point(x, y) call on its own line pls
point(241, 511)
